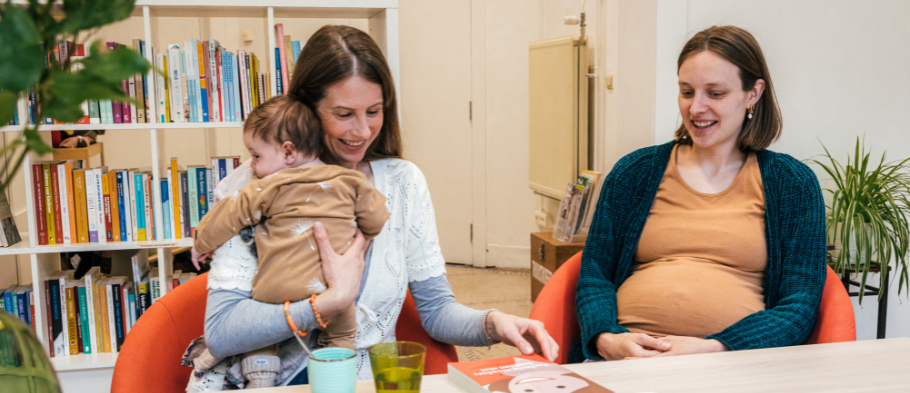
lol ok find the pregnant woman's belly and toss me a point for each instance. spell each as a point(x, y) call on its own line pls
point(687, 297)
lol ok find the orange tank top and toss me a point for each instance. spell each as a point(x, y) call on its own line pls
point(700, 262)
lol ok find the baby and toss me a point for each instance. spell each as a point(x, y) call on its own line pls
point(294, 189)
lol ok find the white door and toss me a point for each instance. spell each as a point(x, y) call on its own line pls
point(435, 42)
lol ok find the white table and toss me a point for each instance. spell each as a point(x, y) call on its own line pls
point(862, 366)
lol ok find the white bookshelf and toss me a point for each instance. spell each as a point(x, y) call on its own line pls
point(92, 372)
point(128, 126)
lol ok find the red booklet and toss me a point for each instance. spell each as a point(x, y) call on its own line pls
point(519, 374)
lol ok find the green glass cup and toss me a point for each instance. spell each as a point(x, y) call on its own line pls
point(332, 370)
point(397, 366)
point(24, 367)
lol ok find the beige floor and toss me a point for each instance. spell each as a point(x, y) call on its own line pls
point(507, 290)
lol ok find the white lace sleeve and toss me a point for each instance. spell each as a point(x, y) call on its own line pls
point(233, 266)
point(424, 257)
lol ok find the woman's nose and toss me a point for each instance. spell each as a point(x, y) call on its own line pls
point(698, 105)
point(361, 127)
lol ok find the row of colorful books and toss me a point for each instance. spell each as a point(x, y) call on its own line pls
point(206, 83)
point(286, 54)
point(94, 313)
point(97, 205)
point(203, 83)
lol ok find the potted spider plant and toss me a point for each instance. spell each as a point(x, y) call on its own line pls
point(868, 214)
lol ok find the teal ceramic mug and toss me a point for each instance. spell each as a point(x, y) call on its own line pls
point(332, 370)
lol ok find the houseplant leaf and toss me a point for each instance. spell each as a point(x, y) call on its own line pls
point(21, 55)
point(114, 65)
point(869, 214)
point(7, 106)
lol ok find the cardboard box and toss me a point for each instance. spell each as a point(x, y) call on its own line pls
point(547, 255)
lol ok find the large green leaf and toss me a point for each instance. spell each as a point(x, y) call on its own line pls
point(63, 112)
point(75, 88)
point(7, 106)
point(115, 65)
point(21, 56)
point(89, 14)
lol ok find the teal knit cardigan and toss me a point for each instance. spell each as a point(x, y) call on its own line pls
point(794, 233)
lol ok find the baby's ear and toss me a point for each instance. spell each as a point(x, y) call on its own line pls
point(289, 151)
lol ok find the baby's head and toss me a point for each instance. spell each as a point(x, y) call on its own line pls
point(282, 133)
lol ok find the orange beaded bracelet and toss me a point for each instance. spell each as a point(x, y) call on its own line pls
point(287, 315)
point(318, 317)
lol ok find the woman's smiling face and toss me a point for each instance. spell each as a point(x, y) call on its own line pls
point(712, 102)
point(351, 113)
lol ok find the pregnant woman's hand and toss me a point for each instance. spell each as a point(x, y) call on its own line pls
point(342, 272)
point(629, 345)
point(682, 345)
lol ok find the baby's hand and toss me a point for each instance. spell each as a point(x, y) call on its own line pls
point(199, 257)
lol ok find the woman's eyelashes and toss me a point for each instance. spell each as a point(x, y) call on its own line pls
point(717, 94)
point(712, 94)
point(348, 115)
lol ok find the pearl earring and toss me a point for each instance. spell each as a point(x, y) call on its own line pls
point(751, 109)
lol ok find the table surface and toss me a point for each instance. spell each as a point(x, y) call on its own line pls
point(861, 366)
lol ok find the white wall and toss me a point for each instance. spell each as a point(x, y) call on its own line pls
point(839, 69)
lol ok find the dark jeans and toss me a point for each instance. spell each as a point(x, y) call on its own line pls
point(300, 379)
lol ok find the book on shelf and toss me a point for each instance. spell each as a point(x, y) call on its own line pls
point(17, 300)
point(143, 78)
point(115, 286)
point(9, 234)
point(72, 328)
point(82, 297)
point(295, 46)
point(524, 373)
point(282, 55)
point(57, 341)
point(141, 269)
point(114, 202)
point(139, 92)
point(48, 203)
point(185, 204)
point(93, 307)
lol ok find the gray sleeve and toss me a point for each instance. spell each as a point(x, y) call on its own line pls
point(236, 324)
point(445, 319)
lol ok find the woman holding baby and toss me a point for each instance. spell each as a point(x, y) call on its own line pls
point(342, 76)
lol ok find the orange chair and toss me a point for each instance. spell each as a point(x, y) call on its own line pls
point(555, 307)
point(150, 358)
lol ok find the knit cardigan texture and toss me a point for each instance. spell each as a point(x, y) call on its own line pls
point(794, 234)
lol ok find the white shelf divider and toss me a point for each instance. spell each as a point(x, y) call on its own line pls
point(84, 362)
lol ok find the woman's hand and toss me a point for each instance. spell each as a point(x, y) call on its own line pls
point(681, 345)
point(630, 346)
point(528, 335)
point(342, 272)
